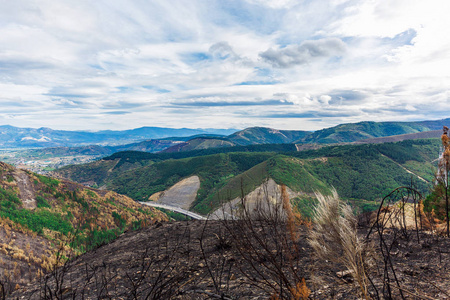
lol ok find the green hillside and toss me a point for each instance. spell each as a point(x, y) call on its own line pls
point(352, 132)
point(281, 168)
point(199, 144)
point(97, 173)
point(214, 171)
point(154, 145)
point(418, 156)
point(101, 171)
point(242, 183)
point(263, 135)
point(360, 173)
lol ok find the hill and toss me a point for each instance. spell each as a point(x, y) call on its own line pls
point(39, 215)
point(263, 135)
point(199, 144)
point(360, 173)
point(351, 132)
point(155, 145)
point(106, 167)
point(403, 137)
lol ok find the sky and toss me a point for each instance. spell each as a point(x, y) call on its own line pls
point(303, 65)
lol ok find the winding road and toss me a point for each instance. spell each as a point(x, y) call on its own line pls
point(175, 209)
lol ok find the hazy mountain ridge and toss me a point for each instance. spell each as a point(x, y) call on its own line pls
point(15, 137)
point(154, 139)
point(154, 145)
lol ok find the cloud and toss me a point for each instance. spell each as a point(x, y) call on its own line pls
point(68, 95)
point(260, 82)
point(346, 96)
point(123, 105)
point(222, 50)
point(64, 102)
point(280, 4)
point(325, 99)
point(310, 114)
point(232, 103)
point(117, 112)
point(119, 64)
point(304, 53)
point(10, 64)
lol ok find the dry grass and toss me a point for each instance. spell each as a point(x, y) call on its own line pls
point(334, 238)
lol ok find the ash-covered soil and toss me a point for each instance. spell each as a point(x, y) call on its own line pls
point(232, 260)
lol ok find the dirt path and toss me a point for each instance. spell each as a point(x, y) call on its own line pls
point(410, 172)
point(26, 189)
point(175, 209)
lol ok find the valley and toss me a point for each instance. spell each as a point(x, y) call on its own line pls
point(110, 196)
point(356, 171)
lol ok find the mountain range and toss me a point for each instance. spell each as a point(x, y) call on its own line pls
point(15, 137)
point(154, 139)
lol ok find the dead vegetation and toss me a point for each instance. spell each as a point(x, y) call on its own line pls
point(37, 214)
point(269, 253)
point(334, 238)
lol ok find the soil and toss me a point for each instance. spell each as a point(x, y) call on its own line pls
point(26, 189)
point(227, 260)
point(270, 191)
point(182, 194)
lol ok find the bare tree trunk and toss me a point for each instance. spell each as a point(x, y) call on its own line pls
point(446, 199)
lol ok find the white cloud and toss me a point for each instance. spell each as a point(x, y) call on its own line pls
point(325, 99)
point(73, 64)
point(305, 53)
point(280, 4)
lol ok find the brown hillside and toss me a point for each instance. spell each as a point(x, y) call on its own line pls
point(38, 214)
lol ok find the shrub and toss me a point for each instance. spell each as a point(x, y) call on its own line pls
point(41, 202)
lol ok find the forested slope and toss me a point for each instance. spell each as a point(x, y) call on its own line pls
point(358, 172)
point(351, 132)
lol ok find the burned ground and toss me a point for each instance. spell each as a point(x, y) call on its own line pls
point(216, 259)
